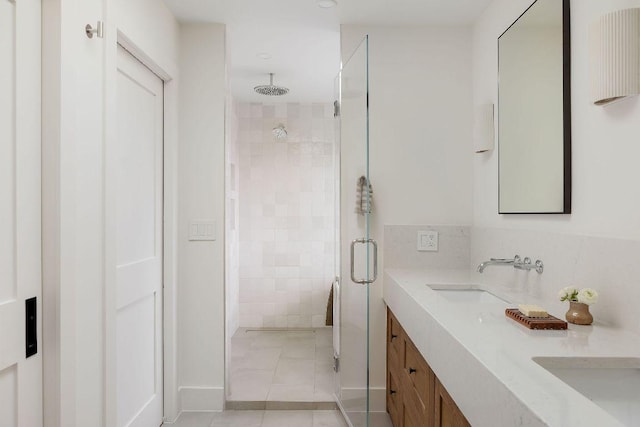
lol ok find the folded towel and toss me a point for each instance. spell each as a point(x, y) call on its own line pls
point(364, 196)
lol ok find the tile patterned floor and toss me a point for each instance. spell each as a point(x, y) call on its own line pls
point(260, 419)
point(283, 366)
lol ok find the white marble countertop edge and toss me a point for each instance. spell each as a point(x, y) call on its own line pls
point(501, 346)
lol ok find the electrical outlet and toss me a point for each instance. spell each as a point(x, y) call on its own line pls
point(428, 241)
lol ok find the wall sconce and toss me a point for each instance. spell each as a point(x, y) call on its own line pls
point(483, 130)
point(615, 56)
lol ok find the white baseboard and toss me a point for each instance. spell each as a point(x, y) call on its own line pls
point(201, 398)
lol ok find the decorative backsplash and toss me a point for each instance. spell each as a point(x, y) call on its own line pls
point(400, 247)
point(610, 266)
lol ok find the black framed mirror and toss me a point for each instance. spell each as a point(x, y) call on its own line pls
point(534, 111)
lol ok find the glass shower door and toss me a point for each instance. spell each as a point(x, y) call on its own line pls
point(358, 250)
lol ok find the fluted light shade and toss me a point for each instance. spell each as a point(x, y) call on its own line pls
point(615, 56)
point(483, 129)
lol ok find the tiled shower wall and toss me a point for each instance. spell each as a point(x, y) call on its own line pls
point(286, 221)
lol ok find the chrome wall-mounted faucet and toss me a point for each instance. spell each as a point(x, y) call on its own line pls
point(516, 262)
point(527, 265)
point(498, 261)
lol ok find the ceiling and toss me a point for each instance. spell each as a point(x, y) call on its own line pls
point(302, 40)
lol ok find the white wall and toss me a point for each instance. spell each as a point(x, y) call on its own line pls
point(605, 145)
point(152, 27)
point(598, 244)
point(420, 124)
point(420, 85)
point(59, 355)
point(72, 217)
point(76, 274)
point(201, 193)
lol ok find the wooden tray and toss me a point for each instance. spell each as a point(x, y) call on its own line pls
point(535, 322)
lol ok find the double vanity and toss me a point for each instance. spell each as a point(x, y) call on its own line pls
point(497, 372)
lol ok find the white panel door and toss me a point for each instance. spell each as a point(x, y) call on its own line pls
point(20, 236)
point(139, 244)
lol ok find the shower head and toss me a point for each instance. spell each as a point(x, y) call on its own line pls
point(271, 89)
point(279, 131)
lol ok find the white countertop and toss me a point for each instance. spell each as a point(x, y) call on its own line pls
point(484, 359)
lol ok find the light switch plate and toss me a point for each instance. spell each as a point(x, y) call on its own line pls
point(428, 241)
point(202, 230)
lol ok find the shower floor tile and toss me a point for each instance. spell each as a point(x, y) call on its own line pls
point(281, 366)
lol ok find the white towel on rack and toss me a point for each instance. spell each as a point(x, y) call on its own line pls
point(364, 196)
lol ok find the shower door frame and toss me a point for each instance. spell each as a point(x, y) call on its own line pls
point(353, 394)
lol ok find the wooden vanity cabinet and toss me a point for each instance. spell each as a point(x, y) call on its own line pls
point(415, 397)
point(395, 356)
point(417, 387)
point(446, 411)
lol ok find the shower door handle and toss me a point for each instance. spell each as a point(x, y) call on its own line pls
point(375, 261)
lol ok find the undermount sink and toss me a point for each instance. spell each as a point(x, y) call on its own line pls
point(612, 383)
point(469, 294)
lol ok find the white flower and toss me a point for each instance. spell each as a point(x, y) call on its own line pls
point(568, 294)
point(587, 296)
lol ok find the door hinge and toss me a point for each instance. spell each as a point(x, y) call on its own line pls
point(336, 364)
point(336, 108)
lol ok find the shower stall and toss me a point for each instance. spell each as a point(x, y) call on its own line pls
point(300, 255)
point(281, 198)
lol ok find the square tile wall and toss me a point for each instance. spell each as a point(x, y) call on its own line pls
point(286, 214)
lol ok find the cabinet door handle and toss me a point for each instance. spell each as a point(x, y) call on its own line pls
point(392, 392)
point(393, 337)
point(411, 371)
